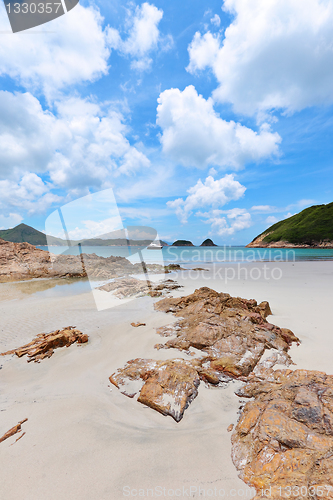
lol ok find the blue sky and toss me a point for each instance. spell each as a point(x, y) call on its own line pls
point(206, 119)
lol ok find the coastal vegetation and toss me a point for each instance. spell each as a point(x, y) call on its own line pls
point(311, 227)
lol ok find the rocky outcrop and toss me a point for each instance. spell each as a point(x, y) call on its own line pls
point(131, 287)
point(24, 261)
point(14, 430)
point(231, 332)
point(259, 243)
point(44, 344)
point(283, 443)
point(232, 335)
point(166, 386)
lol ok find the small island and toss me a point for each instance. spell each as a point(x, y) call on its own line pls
point(311, 228)
point(182, 243)
point(208, 243)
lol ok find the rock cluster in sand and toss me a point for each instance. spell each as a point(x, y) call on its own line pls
point(283, 442)
point(232, 335)
point(24, 261)
point(43, 345)
point(131, 287)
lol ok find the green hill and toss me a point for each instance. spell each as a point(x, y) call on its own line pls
point(208, 243)
point(23, 233)
point(313, 226)
point(182, 243)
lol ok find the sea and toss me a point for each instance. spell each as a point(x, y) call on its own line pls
point(200, 255)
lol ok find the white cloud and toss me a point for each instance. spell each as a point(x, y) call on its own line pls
point(272, 220)
point(263, 208)
point(30, 194)
point(9, 221)
point(236, 220)
point(203, 51)
point(74, 50)
point(195, 135)
point(216, 20)
point(93, 229)
point(143, 36)
point(210, 193)
point(82, 145)
point(275, 54)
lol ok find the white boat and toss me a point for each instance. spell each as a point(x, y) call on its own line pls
point(154, 246)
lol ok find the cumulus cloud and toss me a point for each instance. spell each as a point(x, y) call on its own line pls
point(30, 194)
point(234, 220)
point(272, 219)
point(78, 146)
point(210, 193)
point(143, 36)
point(74, 51)
point(10, 220)
point(194, 134)
point(216, 20)
point(203, 51)
point(263, 209)
point(275, 54)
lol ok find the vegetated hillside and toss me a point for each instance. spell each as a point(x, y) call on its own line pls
point(313, 226)
point(182, 243)
point(208, 243)
point(26, 234)
point(118, 242)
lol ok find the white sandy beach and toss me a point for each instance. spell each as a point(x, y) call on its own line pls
point(85, 440)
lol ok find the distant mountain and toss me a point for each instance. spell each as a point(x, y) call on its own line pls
point(313, 227)
point(23, 233)
point(182, 243)
point(208, 243)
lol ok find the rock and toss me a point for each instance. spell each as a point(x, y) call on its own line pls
point(232, 335)
point(230, 427)
point(44, 344)
point(284, 438)
point(20, 261)
point(136, 325)
point(131, 287)
point(166, 386)
point(13, 431)
point(231, 332)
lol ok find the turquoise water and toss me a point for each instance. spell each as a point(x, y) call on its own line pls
point(201, 255)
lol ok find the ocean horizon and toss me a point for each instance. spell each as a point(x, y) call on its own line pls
point(201, 255)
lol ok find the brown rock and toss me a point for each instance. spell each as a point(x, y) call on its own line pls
point(13, 431)
point(231, 331)
point(44, 344)
point(136, 325)
point(282, 441)
point(166, 386)
point(132, 287)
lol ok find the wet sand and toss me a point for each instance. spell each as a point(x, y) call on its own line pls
point(84, 439)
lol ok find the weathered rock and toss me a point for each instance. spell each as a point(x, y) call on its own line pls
point(284, 439)
point(232, 333)
point(24, 261)
point(136, 325)
point(132, 287)
point(14, 430)
point(44, 344)
point(166, 386)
